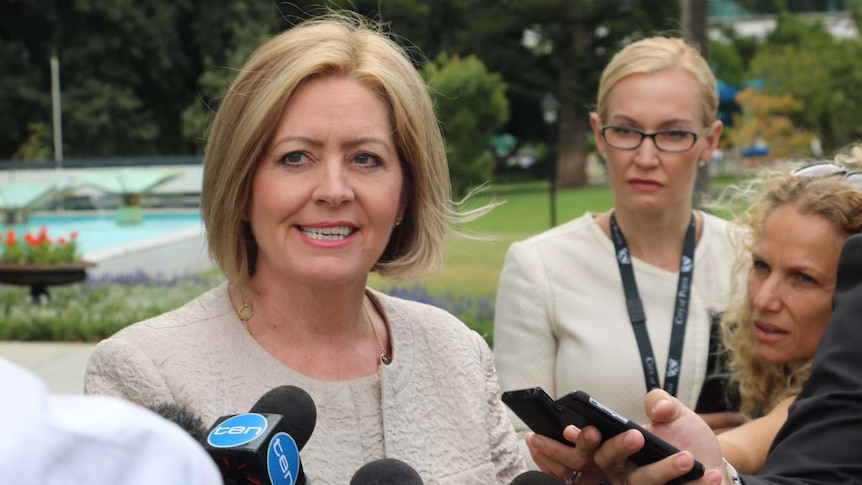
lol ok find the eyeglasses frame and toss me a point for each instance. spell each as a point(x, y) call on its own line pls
point(697, 135)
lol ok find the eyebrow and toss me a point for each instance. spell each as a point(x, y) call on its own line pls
point(664, 125)
point(366, 140)
point(799, 268)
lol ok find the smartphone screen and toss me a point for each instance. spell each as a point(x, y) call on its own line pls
point(537, 410)
point(611, 423)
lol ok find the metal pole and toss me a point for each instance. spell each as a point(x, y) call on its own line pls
point(58, 117)
point(553, 170)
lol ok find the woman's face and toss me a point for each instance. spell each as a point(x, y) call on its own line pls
point(645, 179)
point(327, 191)
point(791, 282)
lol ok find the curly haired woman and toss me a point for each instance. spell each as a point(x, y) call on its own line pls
point(798, 225)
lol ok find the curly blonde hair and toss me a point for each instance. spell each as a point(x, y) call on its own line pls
point(763, 385)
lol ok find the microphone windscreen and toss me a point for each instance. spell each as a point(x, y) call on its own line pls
point(295, 405)
point(533, 477)
point(387, 471)
point(183, 417)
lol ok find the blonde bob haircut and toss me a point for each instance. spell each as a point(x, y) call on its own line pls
point(351, 47)
point(763, 385)
point(659, 54)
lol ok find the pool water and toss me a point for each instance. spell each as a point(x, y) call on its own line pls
point(101, 231)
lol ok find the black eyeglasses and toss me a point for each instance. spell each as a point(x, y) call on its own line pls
point(829, 169)
point(672, 141)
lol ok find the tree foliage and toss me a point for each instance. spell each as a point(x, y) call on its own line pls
point(128, 69)
point(144, 77)
point(767, 118)
point(471, 105)
point(819, 71)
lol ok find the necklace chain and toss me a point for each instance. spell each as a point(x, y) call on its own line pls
point(384, 357)
point(246, 311)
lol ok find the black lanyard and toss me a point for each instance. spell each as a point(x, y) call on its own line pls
point(638, 317)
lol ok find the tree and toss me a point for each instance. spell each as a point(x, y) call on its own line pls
point(25, 97)
point(472, 106)
point(768, 118)
point(793, 62)
point(129, 69)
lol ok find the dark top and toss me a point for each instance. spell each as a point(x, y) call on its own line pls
point(821, 442)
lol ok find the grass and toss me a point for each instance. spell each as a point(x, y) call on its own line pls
point(472, 266)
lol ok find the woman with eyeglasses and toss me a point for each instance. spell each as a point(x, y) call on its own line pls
point(797, 226)
point(621, 302)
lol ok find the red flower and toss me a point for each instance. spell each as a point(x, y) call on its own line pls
point(11, 237)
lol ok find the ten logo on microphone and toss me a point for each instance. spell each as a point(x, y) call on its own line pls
point(282, 460)
point(236, 431)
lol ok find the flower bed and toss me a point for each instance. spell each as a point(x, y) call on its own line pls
point(39, 248)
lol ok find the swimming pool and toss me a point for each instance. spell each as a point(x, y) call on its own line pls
point(101, 231)
point(165, 243)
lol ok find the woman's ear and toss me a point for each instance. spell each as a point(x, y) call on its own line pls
point(596, 124)
point(712, 139)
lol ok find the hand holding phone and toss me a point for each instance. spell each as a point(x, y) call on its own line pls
point(610, 423)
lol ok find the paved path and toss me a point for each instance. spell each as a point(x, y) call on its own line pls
point(60, 365)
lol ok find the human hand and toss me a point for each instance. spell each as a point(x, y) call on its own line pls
point(721, 422)
point(673, 422)
point(564, 462)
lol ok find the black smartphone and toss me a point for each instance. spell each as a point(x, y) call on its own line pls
point(716, 395)
point(611, 423)
point(537, 410)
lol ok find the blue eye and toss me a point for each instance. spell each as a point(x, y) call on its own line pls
point(293, 158)
point(806, 279)
point(366, 159)
point(676, 134)
point(624, 131)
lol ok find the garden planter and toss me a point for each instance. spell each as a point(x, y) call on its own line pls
point(40, 276)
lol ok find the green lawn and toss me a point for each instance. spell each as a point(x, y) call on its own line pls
point(472, 267)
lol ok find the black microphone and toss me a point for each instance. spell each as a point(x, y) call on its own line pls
point(183, 417)
point(261, 447)
point(533, 477)
point(387, 471)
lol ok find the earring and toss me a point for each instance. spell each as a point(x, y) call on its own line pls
point(702, 162)
point(398, 221)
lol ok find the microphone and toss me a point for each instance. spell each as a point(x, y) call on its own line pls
point(261, 447)
point(533, 477)
point(387, 471)
point(183, 417)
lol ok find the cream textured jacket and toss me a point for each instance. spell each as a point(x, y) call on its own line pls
point(436, 406)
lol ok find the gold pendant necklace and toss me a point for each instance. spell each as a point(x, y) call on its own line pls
point(245, 312)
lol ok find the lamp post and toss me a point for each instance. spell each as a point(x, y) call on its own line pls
point(550, 108)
